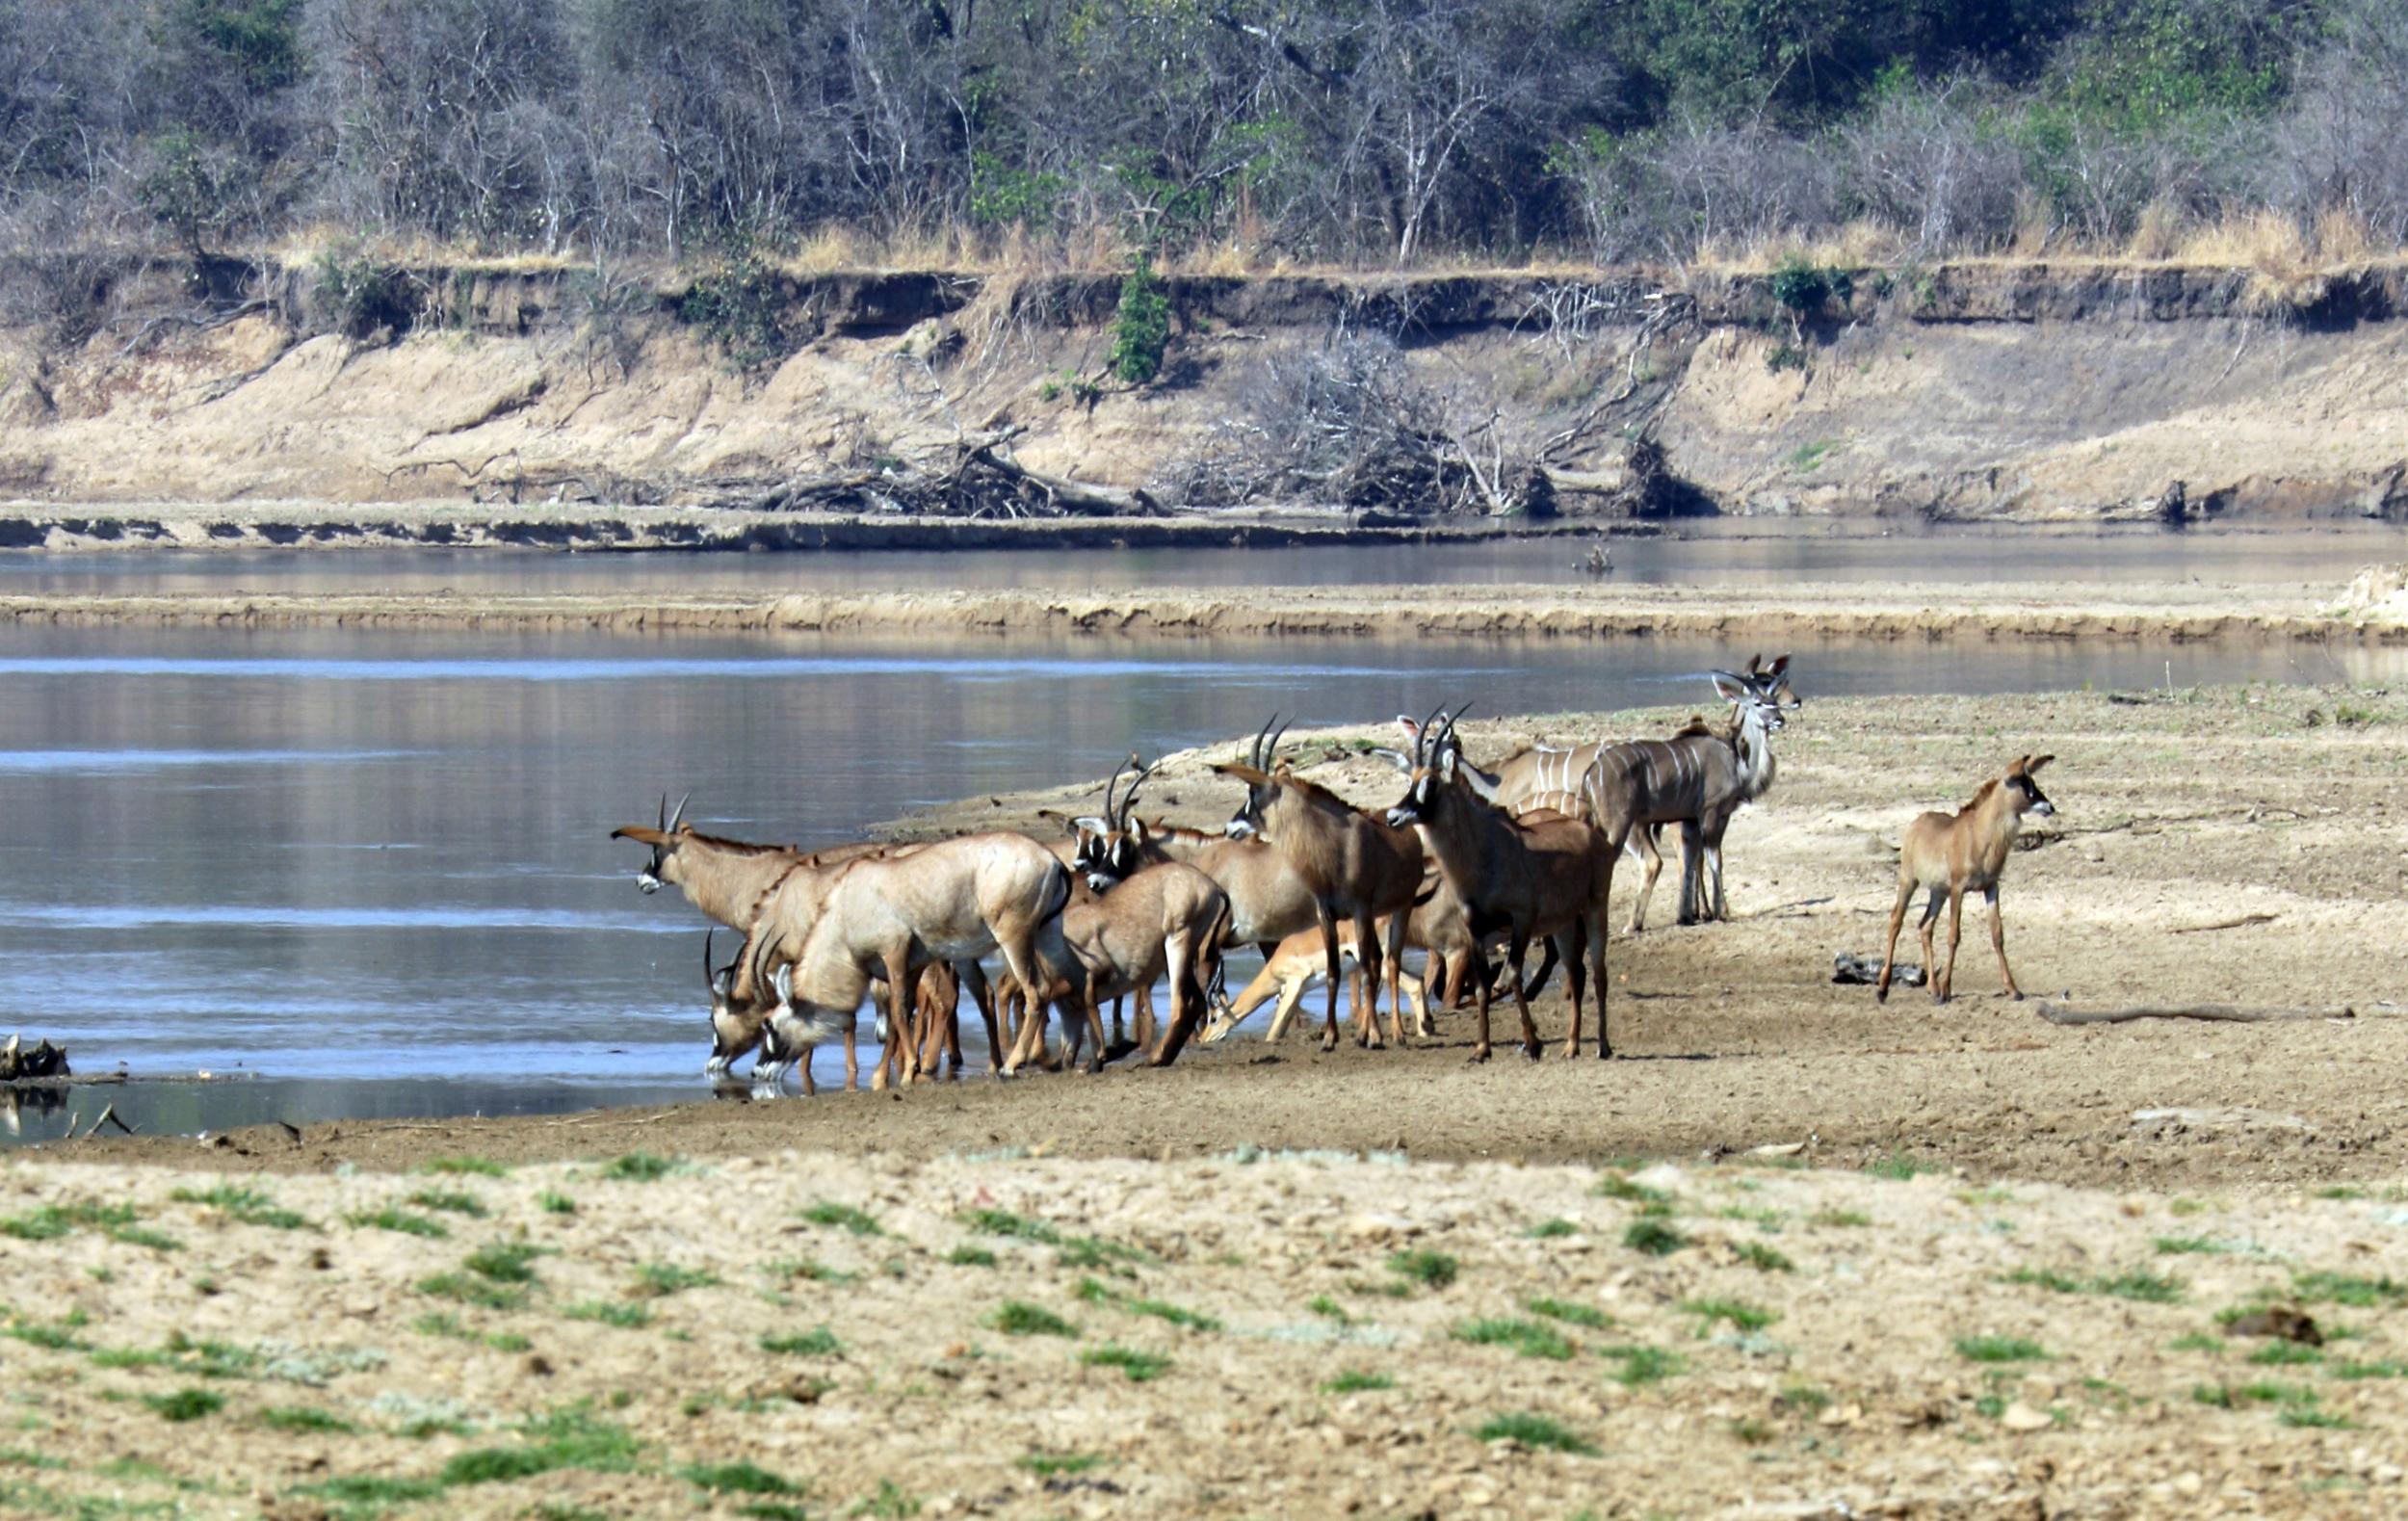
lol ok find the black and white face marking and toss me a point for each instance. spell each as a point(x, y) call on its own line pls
point(1246, 823)
point(2035, 801)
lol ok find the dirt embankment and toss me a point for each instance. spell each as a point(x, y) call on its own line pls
point(1979, 390)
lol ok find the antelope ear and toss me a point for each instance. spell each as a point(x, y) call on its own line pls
point(784, 982)
point(2015, 767)
point(1251, 775)
point(640, 833)
point(723, 981)
point(1138, 830)
point(1780, 664)
point(1755, 663)
point(1089, 823)
point(1730, 688)
point(1397, 758)
point(1447, 758)
point(2037, 763)
point(1411, 727)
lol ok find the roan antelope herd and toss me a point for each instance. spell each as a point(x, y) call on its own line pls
point(1466, 862)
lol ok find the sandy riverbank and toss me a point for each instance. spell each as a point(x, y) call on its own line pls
point(2185, 610)
point(2092, 1199)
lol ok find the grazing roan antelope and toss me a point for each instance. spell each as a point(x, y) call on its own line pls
point(1354, 865)
point(1528, 878)
point(1954, 853)
point(950, 901)
point(736, 883)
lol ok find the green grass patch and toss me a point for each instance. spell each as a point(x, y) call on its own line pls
point(1654, 1238)
point(739, 1478)
point(2308, 1415)
point(2000, 1350)
point(466, 1167)
point(1141, 1367)
point(612, 1312)
point(639, 1167)
point(504, 1262)
point(1093, 1253)
point(2355, 1290)
point(2191, 1245)
point(1527, 1338)
point(658, 1281)
point(2043, 1278)
point(1020, 1227)
point(469, 1288)
point(1534, 1430)
point(247, 1206)
point(844, 1217)
point(145, 1236)
point(1431, 1269)
point(1845, 1220)
point(2385, 1368)
point(556, 1203)
point(185, 1404)
point(1643, 1364)
point(2196, 1342)
point(368, 1495)
point(971, 1257)
point(2280, 1353)
point(401, 1221)
point(55, 1338)
point(304, 1418)
point(1019, 1317)
point(2150, 1288)
point(50, 1221)
point(452, 1202)
point(1052, 1465)
point(1898, 1167)
point(1763, 1259)
point(1329, 1309)
point(1357, 1380)
point(1551, 1230)
point(1571, 1314)
point(1185, 1319)
point(1616, 1186)
point(817, 1342)
point(1738, 1313)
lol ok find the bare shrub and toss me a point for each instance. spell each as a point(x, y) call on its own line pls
point(1925, 165)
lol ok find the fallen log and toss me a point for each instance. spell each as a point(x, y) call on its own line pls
point(2063, 1014)
point(2242, 923)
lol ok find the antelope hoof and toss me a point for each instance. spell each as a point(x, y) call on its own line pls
point(1571, 1052)
point(2015, 993)
point(1480, 1053)
point(1532, 1050)
point(1938, 996)
point(1881, 994)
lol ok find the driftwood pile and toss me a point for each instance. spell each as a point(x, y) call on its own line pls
point(18, 1063)
point(977, 477)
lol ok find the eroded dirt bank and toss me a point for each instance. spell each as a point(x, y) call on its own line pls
point(2064, 390)
point(2185, 610)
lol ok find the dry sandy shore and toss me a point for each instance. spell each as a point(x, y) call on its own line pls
point(1991, 1278)
point(1972, 613)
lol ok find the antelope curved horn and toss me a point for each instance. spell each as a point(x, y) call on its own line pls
point(1111, 815)
point(664, 813)
point(1270, 751)
point(710, 973)
point(1129, 799)
point(1429, 732)
point(1257, 758)
point(678, 816)
point(1460, 710)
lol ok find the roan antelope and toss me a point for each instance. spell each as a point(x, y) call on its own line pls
point(1167, 920)
point(1353, 864)
point(1530, 878)
point(951, 901)
point(1953, 853)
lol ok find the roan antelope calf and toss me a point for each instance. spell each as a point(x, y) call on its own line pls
point(1167, 920)
point(1530, 878)
point(1954, 853)
point(1356, 866)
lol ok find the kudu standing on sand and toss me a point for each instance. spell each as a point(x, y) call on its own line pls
point(1698, 779)
point(1530, 878)
point(1954, 853)
point(1354, 865)
point(951, 901)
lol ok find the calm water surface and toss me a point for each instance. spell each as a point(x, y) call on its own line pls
point(373, 870)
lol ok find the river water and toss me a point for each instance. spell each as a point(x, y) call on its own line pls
point(370, 873)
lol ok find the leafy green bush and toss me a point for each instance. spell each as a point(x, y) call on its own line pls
point(1141, 328)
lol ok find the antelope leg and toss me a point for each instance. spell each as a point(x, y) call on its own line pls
point(1328, 918)
point(1889, 951)
point(1998, 942)
point(1518, 950)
